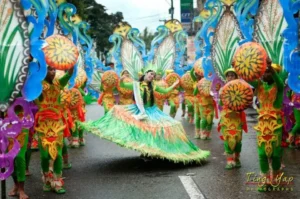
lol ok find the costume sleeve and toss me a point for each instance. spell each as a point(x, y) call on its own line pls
point(127, 85)
point(280, 89)
point(81, 91)
point(196, 91)
point(193, 75)
point(254, 83)
point(64, 80)
point(163, 90)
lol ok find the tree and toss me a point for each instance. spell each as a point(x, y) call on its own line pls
point(101, 22)
point(147, 37)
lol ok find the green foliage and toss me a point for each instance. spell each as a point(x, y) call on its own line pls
point(101, 22)
point(147, 37)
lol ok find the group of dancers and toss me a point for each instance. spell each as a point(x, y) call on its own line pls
point(137, 121)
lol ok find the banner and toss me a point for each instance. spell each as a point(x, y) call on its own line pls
point(186, 9)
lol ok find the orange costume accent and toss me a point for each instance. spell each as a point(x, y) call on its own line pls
point(49, 118)
point(268, 119)
point(126, 95)
point(160, 98)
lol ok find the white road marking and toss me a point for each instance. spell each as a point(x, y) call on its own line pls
point(191, 188)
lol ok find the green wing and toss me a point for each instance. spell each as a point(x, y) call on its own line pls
point(131, 59)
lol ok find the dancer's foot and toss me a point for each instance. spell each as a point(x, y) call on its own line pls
point(229, 165)
point(46, 187)
point(75, 143)
point(81, 141)
point(13, 192)
point(67, 166)
point(27, 173)
point(22, 195)
point(238, 164)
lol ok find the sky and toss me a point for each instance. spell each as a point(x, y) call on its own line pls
point(143, 13)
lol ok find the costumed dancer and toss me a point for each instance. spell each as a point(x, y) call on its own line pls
point(270, 124)
point(187, 84)
point(19, 174)
point(197, 75)
point(160, 98)
point(232, 123)
point(77, 108)
point(50, 128)
point(125, 95)
point(207, 108)
point(294, 134)
point(68, 119)
point(109, 82)
point(148, 130)
point(173, 99)
point(142, 126)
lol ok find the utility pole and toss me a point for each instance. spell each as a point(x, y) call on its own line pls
point(171, 10)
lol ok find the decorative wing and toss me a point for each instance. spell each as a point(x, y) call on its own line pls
point(14, 52)
point(165, 55)
point(131, 59)
point(96, 81)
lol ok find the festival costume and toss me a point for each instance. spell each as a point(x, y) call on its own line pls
point(187, 83)
point(160, 98)
point(50, 126)
point(232, 123)
point(125, 95)
point(109, 83)
point(106, 99)
point(294, 134)
point(196, 104)
point(157, 136)
point(20, 159)
point(142, 126)
point(269, 127)
point(77, 109)
point(68, 119)
point(207, 110)
point(173, 99)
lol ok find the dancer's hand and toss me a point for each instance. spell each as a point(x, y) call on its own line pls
point(291, 104)
point(175, 83)
point(70, 71)
point(122, 78)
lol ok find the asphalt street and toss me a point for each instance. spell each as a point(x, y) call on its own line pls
point(102, 169)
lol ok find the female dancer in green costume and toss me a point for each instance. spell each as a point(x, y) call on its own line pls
point(145, 128)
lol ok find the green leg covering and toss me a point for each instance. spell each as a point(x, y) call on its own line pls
point(173, 109)
point(227, 148)
point(238, 147)
point(28, 157)
point(190, 108)
point(65, 148)
point(206, 118)
point(296, 128)
point(197, 116)
point(275, 157)
point(75, 133)
point(45, 157)
point(20, 162)
point(58, 163)
point(183, 106)
point(80, 133)
point(106, 109)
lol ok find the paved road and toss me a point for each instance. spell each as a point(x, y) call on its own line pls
point(104, 170)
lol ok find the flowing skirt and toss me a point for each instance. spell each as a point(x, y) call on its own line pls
point(158, 135)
